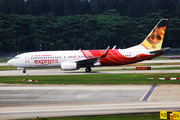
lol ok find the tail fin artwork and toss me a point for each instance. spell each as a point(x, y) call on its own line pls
point(155, 38)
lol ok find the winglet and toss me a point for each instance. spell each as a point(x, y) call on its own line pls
point(106, 52)
point(114, 47)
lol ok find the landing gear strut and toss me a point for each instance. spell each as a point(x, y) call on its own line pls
point(24, 71)
point(88, 69)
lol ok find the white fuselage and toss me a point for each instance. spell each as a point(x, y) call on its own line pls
point(56, 58)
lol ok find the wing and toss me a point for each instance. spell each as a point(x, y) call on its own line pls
point(92, 61)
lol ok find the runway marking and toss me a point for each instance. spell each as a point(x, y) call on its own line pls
point(166, 78)
point(148, 94)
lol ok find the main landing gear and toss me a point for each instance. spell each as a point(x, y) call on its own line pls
point(24, 71)
point(88, 69)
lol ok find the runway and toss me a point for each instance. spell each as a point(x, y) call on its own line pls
point(30, 101)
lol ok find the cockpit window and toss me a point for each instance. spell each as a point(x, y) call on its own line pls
point(16, 57)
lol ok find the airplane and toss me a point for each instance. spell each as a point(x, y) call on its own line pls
point(75, 59)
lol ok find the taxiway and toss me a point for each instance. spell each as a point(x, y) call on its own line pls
point(78, 72)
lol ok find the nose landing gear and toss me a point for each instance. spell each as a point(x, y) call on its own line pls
point(24, 71)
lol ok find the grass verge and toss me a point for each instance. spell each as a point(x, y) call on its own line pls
point(96, 79)
point(4, 60)
point(163, 68)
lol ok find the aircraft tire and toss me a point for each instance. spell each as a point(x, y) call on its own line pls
point(24, 71)
point(88, 69)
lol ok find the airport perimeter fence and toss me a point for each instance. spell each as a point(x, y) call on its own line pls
point(171, 52)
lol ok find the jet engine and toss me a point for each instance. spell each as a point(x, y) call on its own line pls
point(69, 66)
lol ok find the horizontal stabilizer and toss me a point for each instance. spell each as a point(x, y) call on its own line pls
point(158, 51)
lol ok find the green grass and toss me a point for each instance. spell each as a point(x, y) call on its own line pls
point(166, 68)
point(7, 68)
point(95, 79)
point(161, 58)
point(4, 60)
point(113, 117)
point(163, 68)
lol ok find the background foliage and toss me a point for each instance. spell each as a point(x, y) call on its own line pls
point(34, 25)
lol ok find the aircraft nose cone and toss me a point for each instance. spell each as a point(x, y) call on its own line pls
point(10, 62)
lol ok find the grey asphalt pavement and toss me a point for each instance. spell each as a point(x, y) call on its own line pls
point(30, 101)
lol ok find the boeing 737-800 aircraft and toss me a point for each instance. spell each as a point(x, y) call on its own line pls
point(75, 59)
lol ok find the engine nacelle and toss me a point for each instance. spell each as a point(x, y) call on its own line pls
point(69, 66)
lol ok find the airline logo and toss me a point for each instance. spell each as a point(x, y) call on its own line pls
point(154, 40)
point(44, 59)
point(46, 62)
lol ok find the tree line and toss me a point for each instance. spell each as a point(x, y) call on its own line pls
point(23, 30)
point(131, 8)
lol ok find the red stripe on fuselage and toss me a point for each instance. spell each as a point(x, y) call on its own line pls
point(114, 57)
point(92, 53)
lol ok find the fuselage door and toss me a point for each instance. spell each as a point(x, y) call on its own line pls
point(27, 58)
